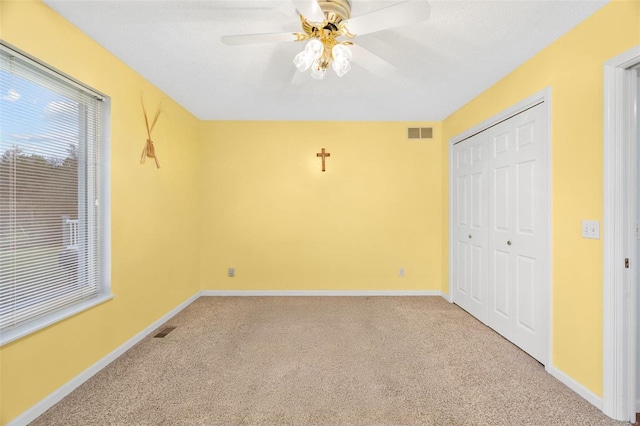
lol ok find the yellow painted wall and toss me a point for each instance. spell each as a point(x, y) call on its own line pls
point(573, 68)
point(154, 257)
point(270, 212)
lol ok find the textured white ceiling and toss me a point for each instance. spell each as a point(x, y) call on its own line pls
point(441, 64)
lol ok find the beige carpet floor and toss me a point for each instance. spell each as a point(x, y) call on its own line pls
point(324, 361)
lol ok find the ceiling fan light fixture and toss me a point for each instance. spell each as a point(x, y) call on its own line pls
point(324, 45)
point(327, 26)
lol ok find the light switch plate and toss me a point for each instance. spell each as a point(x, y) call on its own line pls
point(591, 229)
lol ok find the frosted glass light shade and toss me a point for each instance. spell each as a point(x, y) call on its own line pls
point(341, 53)
point(303, 61)
point(341, 67)
point(315, 48)
point(341, 56)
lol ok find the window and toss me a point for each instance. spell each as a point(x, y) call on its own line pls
point(54, 223)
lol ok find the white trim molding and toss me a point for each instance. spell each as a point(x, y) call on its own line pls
point(327, 293)
point(575, 386)
point(533, 100)
point(619, 295)
point(48, 320)
point(56, 396)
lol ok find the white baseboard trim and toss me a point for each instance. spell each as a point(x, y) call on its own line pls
point(637, 405)
point(575, 386)
point(32, 413)
point(224, 293)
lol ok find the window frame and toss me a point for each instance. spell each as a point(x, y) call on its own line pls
point(104, 200)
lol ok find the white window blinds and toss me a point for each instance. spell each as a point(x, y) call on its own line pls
point(49, 182)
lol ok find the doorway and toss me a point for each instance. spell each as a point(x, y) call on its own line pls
point(620, 292)
point(637, 234)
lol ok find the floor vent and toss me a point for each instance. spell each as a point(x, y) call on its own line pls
point(420, 133)
point(164, 332)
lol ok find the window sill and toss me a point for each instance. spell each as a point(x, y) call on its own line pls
point(40, 323)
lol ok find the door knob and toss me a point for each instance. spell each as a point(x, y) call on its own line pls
point(508, 243)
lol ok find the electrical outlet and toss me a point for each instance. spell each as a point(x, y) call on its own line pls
point(231, 272)
point(591, 229)
point(401, 272)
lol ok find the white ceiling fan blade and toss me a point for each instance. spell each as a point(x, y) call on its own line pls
point(310, 9)
point(405, 13)
point(257, 38)
point(370, 61)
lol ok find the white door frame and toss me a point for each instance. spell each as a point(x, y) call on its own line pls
point(620, 192)
point(539, 97)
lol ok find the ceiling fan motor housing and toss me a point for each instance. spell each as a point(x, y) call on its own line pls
point(335, 11)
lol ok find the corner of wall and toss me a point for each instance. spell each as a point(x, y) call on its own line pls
point(444, 231)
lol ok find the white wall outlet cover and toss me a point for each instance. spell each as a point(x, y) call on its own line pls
point(231, 272)
point(591, 229)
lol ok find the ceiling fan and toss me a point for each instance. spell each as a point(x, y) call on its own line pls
point(328, 29)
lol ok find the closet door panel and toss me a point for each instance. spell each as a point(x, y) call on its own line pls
point(517, 231)
point(470, 230)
